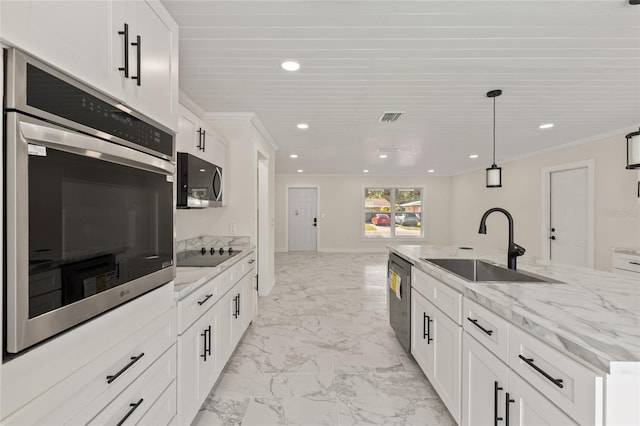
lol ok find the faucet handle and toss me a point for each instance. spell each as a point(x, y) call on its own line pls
point(518, 250)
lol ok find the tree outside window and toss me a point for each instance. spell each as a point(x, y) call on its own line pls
point(393, 212)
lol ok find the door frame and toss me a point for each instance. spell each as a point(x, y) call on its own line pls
point(286, 214)
point(546, 207)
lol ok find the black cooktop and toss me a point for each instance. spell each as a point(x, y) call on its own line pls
point(206, 256)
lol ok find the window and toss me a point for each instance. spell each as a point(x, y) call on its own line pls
point(393, 213)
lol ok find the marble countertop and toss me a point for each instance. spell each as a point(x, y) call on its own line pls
point(593, 316)
point(189, 278)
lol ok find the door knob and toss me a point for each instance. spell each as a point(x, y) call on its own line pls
point(552, 237)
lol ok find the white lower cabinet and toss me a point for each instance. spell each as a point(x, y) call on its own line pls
point(435, 344)
point(205, 345)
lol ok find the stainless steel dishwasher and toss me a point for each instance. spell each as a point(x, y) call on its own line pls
point(399, 296)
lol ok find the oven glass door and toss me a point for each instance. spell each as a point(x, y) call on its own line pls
point(93, 225)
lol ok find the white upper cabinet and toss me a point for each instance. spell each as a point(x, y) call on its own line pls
point(91, 39)
point(73, 35)
point(197, 138)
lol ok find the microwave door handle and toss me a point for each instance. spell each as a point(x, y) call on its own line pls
point(45, 134)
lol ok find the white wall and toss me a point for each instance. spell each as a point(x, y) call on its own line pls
point(341, 202)
point(617, 211)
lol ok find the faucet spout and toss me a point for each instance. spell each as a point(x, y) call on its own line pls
point(513, 249)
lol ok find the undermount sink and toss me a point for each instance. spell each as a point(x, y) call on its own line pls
point(480, 271)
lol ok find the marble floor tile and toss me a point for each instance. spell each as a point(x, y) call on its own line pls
point(321, 352)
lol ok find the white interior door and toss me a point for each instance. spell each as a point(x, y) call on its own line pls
point(569, 216)
point(302, 219)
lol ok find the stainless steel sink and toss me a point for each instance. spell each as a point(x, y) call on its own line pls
point(477, 270)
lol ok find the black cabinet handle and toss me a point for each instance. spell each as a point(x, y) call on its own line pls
point(134, 359)
point(125, 33)
point(529, 361)
point(496, 389)
point(251, 261)
point(429, 321)
point(475, 322)
point(138, 45)
point(207, 297)
point(130, 412)
point(235, 306)
point(424, 325)
point(238, 309)
point(508, 401)
point(634, 263)
point(204, 140)
point(206, 334)
point(199, 146)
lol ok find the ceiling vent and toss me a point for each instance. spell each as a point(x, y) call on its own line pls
point(390, 116)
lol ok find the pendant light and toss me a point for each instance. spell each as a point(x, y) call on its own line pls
point(633, 150)
point(494, 173)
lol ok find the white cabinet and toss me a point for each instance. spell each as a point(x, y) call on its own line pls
point(435, 344)
point(197, 138)
point(484, 383)
point(197, 356)
point(91, 39)
point(140, 366)
point(527, 407)
point(211, 319)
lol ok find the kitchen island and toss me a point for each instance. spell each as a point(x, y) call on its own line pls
point(591, 317)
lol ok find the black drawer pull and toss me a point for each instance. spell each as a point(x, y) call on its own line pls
point(634, 263)
point(475, 322)
point(251, 261)
point(133, 408)
point(134, 359)
point(429, 338)
point(207, 297)
point(424, 325)
point(529, 361)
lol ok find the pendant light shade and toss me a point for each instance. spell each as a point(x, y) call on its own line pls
point(633, 150)
point(494, 173)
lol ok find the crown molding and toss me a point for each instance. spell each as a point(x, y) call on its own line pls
point(252, 117)
point(189, 103)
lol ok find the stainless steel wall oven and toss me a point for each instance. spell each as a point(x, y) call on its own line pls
point(89, 203)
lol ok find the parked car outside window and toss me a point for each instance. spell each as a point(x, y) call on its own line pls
point(407, 219)
point(381, 219)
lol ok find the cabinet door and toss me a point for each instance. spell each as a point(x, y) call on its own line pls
point(527, 407)
point(71, 35)
point(484, 383)
point(238, 320)
point(197, 370)
point(187, 137)
point(445, 357)
point(420, 342)
point(224, 345)
point(154, 92)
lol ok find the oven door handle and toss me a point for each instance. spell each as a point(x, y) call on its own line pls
point(40, 133)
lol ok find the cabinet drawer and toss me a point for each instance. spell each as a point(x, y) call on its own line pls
point(444, 297)
point(488, 328)
point(197, 303)
point(88, 390)
point(627, 262)
point(163, 410)
point(571, 386)
point(132, 405)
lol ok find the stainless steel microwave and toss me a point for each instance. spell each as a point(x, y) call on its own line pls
point(199, 183)
point(89, 203)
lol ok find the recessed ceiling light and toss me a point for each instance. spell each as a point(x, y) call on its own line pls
point(293, 156)
point(365, 171)
point(546, 126)
point(383, 155)
point(430, 171)
point(302, 126)
point(474, 156)
point(290, 66)
point(300, 170)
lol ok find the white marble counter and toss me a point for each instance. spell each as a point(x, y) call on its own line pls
point(188, 279)
point(593, 316)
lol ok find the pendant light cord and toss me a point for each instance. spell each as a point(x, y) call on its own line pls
point(494, 131)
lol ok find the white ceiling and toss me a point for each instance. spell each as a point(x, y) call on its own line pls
point(572, 63)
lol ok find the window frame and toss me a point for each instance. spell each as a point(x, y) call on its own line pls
point(392, 213)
